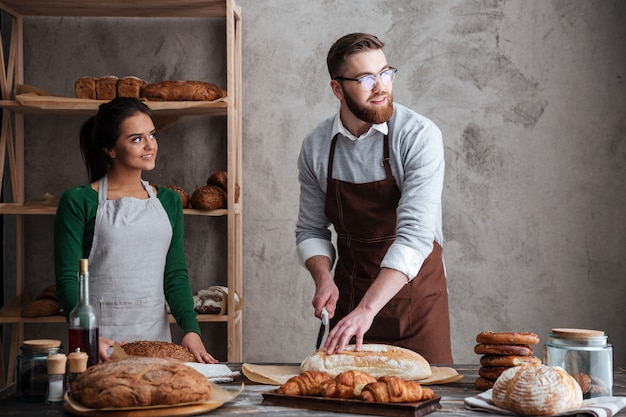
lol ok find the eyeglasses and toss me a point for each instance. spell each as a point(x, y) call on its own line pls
point(368, 81)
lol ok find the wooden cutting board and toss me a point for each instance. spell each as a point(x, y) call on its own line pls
point(415, 409)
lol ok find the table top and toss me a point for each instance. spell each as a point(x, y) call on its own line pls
point(250, 401)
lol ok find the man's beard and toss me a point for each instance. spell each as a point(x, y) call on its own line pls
point(370, 114)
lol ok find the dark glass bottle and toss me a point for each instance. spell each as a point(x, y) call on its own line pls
point(83, 321)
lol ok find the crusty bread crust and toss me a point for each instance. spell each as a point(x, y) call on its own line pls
point(156, 349)
point(375, 359)
point(507, 338)
point(177, 90)
point(536, 390)
point(140, 382)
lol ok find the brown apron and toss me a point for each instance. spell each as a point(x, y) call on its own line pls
point(364, 217)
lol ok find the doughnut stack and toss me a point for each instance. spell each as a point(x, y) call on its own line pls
point(500, 351)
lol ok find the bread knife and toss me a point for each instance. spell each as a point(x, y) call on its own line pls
point(323, 326)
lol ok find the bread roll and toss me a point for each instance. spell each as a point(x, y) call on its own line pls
point(85, 87)
point(375, 359)
point(131, 87)
point(538, 390)
point(220, 178)
point(140, 382)
point(184, 197)
point(209, 197)
point(176, 90)
point(106, 87)
point(156, 349)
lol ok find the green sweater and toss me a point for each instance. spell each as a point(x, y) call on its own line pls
point(73, 235)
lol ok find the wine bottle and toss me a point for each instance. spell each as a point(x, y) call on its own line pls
point(83, 321)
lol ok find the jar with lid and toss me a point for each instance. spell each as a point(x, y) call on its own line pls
point(32, 369)
point(584, 354)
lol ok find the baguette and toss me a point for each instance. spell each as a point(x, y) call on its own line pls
point(175, 90)
point(375, 359)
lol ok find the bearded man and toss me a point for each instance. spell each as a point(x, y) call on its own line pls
point(374, 171)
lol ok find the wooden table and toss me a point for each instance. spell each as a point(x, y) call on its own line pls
point(249, 402)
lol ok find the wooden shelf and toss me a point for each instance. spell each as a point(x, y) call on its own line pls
point(42, 209)
point(202, 318)
point(117, 8)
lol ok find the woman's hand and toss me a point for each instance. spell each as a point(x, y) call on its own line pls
point(193, 343)
point(104, 345)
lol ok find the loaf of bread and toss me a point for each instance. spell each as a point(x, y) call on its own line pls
point(214, 300)
point(155, 349)
point(538, 390)
point(44, 305)
point(106, 87)
point(184, 197)
point(140, 382)
point(220, 178)
point(177, 90)
point(85, 87)
point(130, 86)
point(375, 359)
point(208, 197)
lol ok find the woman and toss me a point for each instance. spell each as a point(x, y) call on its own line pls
point(131, 232)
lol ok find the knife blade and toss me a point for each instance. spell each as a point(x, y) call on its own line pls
point(320, 335)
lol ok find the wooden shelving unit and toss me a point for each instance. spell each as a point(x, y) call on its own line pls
point(12, 136)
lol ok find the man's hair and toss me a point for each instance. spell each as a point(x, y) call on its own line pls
point(347, 45)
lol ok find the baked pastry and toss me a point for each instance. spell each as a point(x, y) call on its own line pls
point(392, 389)
point(536, 390)
point(220, 178)
point(106, 87)
point(176, 90)
point(214, 300)
point(306, 383)
point(507, 338)
point(45, 304)
point(346, 385)
point(140, 382)
point(208, 197)
point(155, 349)
point(184, 197)
point(491, 372)
point(496, 349)
point(508, 360)
point(85, 87)
point(482, 384)
point(590, 384)
point(130, 86)
point(375, 359)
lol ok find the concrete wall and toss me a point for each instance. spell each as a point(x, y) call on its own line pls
point(530, 96)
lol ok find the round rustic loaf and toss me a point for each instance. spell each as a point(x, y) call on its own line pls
point(140, 382)
point(208, 197)
point(220, 178)
point(375, 359)
point(184, 197)
point(538, 390)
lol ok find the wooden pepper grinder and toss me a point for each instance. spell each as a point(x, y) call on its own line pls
point(77, 365)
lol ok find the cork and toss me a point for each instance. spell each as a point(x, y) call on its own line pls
point(56, 364)
point(42, 343)
point(576, 334)
point(78, 362)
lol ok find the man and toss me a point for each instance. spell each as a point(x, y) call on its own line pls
point(375, 172)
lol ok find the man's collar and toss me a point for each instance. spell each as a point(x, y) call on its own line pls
point(338, 127)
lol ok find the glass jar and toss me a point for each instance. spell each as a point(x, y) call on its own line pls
point(584, 354)
point(32, 369)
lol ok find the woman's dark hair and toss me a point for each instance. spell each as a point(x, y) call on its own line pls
point(101, 131)
point(347, 45)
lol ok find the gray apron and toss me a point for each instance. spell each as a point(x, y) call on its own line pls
point(126, 267)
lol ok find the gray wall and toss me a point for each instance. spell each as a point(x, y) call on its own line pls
point(530, 96)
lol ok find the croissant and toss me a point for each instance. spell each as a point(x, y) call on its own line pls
point(346, 385)
point(306, 383)
point(392, 389)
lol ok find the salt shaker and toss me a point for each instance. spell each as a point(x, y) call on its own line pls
point(56, 377)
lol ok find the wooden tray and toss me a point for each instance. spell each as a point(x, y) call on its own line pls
point(415, 409)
